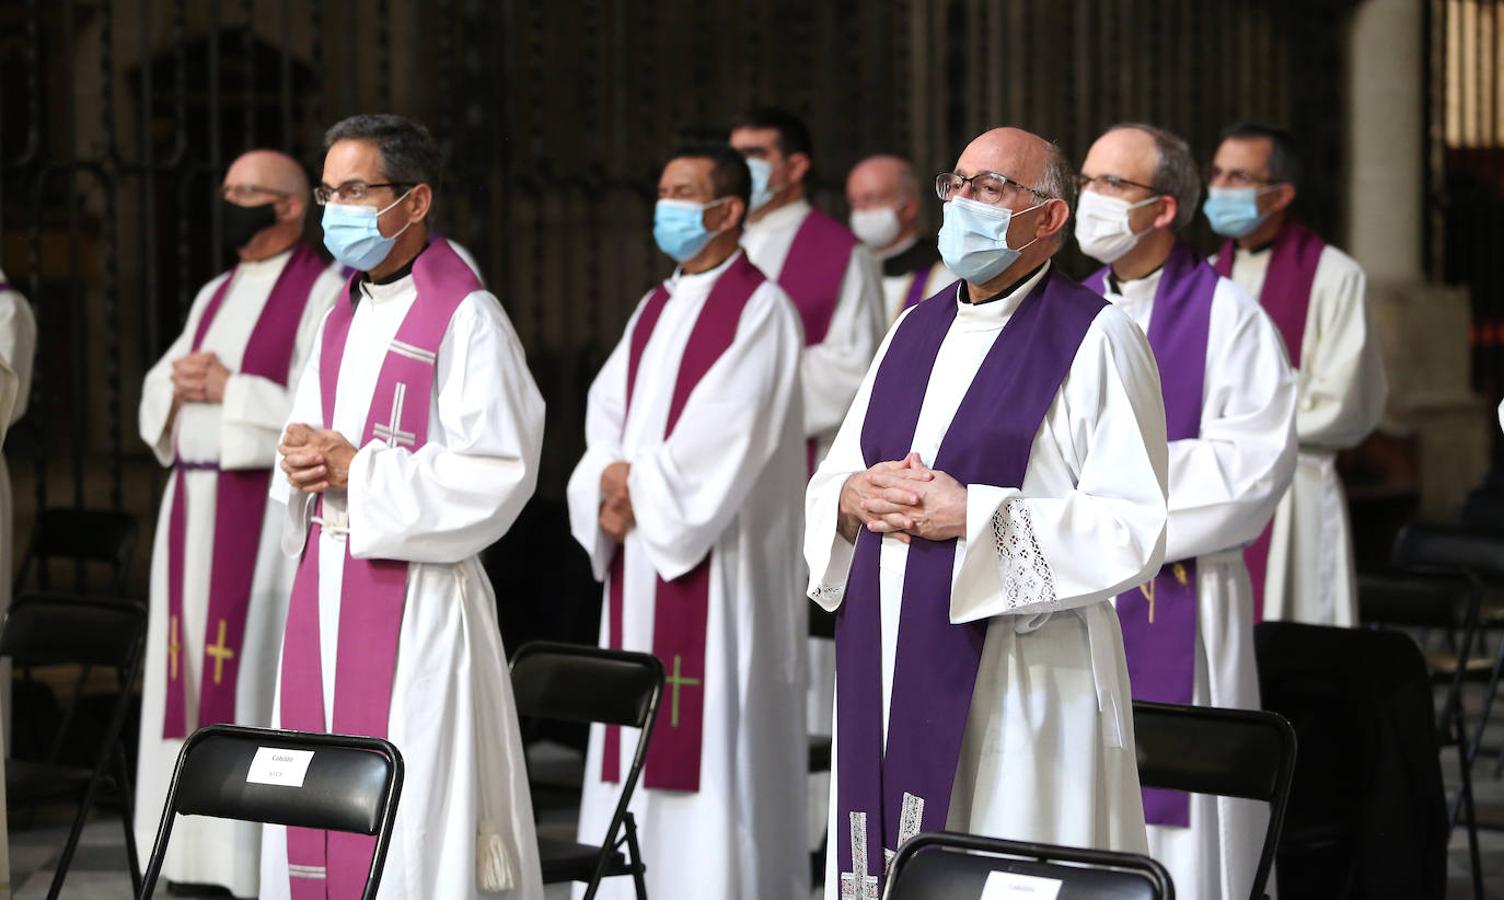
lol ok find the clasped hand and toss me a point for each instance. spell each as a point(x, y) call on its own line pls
point(904, 498)
point(315, 459)
point(616, 502)
point(199, 378)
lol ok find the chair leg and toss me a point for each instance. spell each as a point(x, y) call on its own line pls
point(74, 833)
point(128, 817)
point(1488, 705)
point(635, 855)
point(1465, 797)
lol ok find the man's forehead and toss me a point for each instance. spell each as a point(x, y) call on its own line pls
point(1001, 152)
point(767, 138)
point(348, 160)
point(1124, 152)
point(690, 170)
point(1250, 151)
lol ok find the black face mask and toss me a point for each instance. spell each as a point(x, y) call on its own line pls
point(242, 223)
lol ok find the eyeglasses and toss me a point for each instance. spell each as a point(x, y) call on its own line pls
point(250, 192)
point(1111, 184)
point(1237, 178)
point(352, 191)
point(986, 187)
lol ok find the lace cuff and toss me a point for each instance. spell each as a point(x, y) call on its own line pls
point(1027, 579)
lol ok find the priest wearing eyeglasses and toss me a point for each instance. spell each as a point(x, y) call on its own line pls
point(412, 445)
point(211, 410)
point(1000, 478)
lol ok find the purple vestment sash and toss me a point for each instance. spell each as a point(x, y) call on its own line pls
point(813, 271)
point(915, 292)
point(240, 500)
point(884, 797)
point(374, 591)
point(1286, 297)
point(1159, 618)
point(681, 607)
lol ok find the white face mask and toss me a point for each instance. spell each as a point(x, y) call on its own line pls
point(877, 228)
point(1102, 227)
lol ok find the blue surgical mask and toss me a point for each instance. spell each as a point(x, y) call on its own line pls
point(974, 239)
point(761, 171)
point(679, 227)
point(1233, 212)
point(352, 236)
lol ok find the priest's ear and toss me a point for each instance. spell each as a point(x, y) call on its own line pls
point(1277, 197)
point(1052, 218)
point(796, 168)
point(730, 214)
point(291, 208)
point(419, 202)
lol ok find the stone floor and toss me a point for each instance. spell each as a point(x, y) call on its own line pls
point(99, 867)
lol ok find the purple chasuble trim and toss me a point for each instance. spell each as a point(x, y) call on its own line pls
point(884, 797)
point(368, 629)
point(813, 271)
point(1159, 618)
point(920, 278)
point(1286, 297)
point(681, 607)
point(240, 498)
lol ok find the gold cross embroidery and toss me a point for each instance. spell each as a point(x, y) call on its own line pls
point(1147, 589)
point(677, 681)
point(172, 649)
point(221, 652)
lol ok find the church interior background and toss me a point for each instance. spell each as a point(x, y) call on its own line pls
point(117, 118)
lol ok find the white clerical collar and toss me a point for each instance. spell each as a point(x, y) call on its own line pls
point(392, 290)
point(1136, 293)
point(692, 280)
point(790, 216)
point(996, 313)
point(897, 248)
point(270, 267)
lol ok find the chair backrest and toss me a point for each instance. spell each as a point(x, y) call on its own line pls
point(61, 629)
point(1368, 779)
point(579, 683)
point(351, 784)
point(1418, 597)
point(1227, 752)
point(1451, 546)
point(86, 535)
point(941, 866)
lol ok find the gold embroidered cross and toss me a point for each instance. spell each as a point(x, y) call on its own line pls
point(677, 681)
point(221, 652)
point(172, 649)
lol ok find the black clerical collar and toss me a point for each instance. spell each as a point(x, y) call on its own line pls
point(922, 254)
point(365, 277)
point(1264, 246)
point(1116, 283)
point(1010, 289)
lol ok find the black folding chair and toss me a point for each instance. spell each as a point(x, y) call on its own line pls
point(577, 683)
point(1244, 753)
point(87, 536)
point(945, 865)
point(1367, 815)
point(1445, 601)
point(352, 784)
point(42, 632)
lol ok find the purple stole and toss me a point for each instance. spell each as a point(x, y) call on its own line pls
point(884, 798)
point(915, 293)
point(1159, 618)
point(681, 607)
point(1286, 297)
point(240, 500)
point(374, 590)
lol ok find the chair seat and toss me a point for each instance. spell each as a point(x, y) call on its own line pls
point(28, 782)
point(1445, 662)
point(567, 861)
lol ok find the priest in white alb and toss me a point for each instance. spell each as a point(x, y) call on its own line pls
point(688, 502)
point(1302, 565)
point(1000, 478)
point(1229, 410)
point(412, 445)
point(212, 409)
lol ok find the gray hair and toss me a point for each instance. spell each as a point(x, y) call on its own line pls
point(407, 151)
point(1175, 170)
point(1059, 180)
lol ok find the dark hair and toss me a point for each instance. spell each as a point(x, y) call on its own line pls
point(407, 151)
point(729, 175)
point(793, 135)
point(1284, 158)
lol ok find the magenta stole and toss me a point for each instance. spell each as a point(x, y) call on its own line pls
point(1159, 618)
point(240, 499)
point(374, 590)
point(681, 607)
point(1286, 297)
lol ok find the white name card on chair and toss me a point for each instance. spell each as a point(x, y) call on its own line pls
point(274, 765)
point(1014, 886)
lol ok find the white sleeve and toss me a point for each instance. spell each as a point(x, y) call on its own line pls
point(1026, 552)
point(462, 490)
point(1225, 484)
point(254, 408)
point(832, 369)
point(826, 553)
point(154, 416)
point(18, 349)
point(1342, 386)
point(605, 411)
point(307, 409)
point(686, 491)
